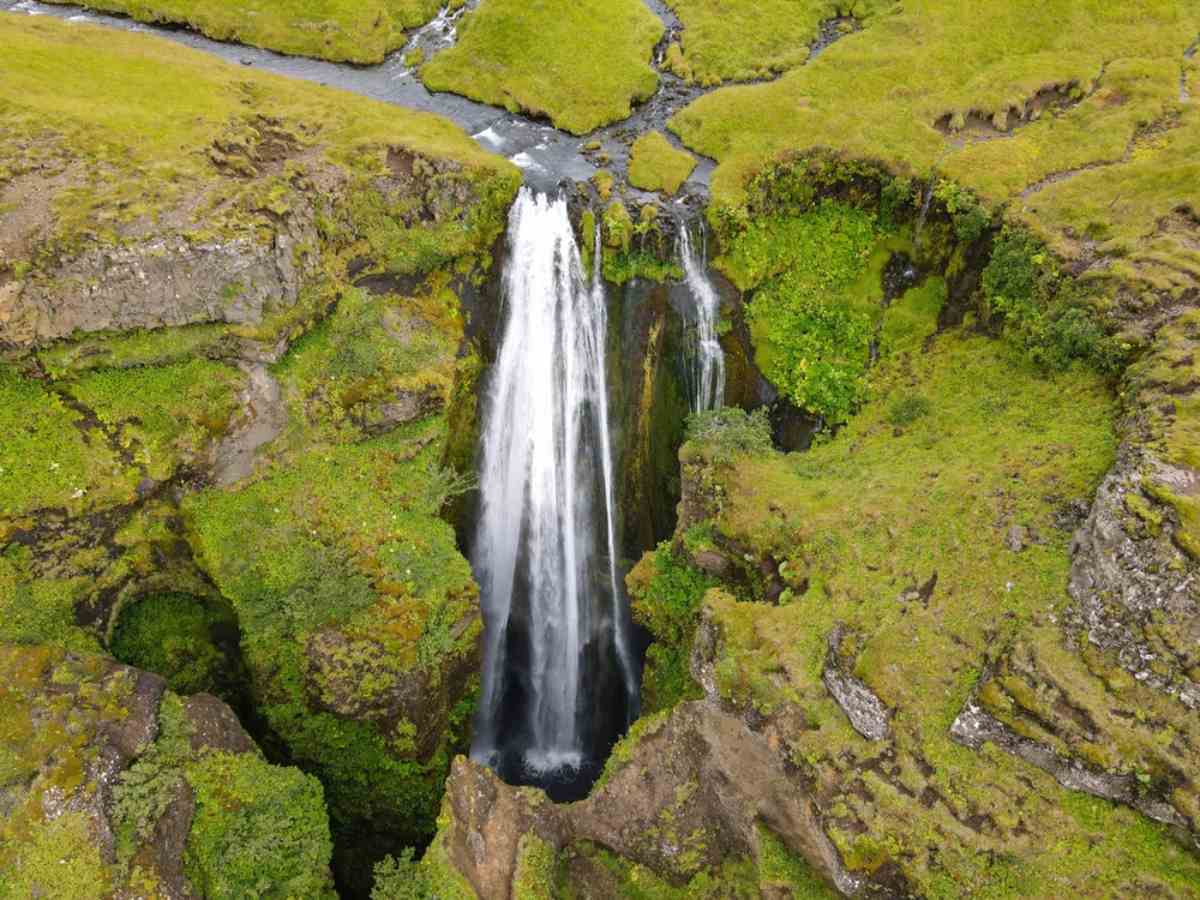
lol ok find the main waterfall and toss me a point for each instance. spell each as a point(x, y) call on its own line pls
point(707, 363)
point(559, 676)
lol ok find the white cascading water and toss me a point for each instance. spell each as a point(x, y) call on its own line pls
point(707, 359)
point(547, 478)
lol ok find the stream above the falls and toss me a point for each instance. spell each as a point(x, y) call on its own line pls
point(545, 154)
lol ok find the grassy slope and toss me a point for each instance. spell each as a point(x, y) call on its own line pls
point(358, 31)
point(907, 490)
point(143, 141)
point(581, 63)
point(878, 94)
point(725, 41)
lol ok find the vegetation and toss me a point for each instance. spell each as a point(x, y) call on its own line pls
point(747, 41)
point(1096, 145)
point(580, 64)
point(140, 153)
point(654, 165)
point(183, 638)
point(337, 30)
point(257, 830)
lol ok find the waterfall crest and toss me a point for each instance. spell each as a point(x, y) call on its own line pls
point(556, 645)
point(707, 361)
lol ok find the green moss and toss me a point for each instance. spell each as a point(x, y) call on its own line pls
point(812, 328)
point(581, 64)
point(665, 593)
point(46, 460)
point(724, 41)
point(58, 858)
point(536, 870)
point(778, 866)
point(347, 538)
point(164, 415)
point(183, 638)
point(336, 30)
point(40, 610)
point(654, 165)
point(258, 830)
point(133, 348)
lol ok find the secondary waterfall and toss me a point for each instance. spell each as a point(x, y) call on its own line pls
point(706, 359)
point(559, 678)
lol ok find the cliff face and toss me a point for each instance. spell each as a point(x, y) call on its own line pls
point(115, 785)
point(231, 350)
point(948, 648)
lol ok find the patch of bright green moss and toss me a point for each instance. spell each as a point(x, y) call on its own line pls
point(337, 30)
point(258, 830)
point(165, 415)
point(582, 64)
point(46, 459)
point(654, 165)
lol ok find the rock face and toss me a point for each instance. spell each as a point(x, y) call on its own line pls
point(108, 787)
point(161, 283)
point(697, 789)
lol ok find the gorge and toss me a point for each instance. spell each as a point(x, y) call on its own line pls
point(662, 450)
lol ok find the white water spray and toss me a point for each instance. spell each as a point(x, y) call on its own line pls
point(547, 479)
point(708, 360)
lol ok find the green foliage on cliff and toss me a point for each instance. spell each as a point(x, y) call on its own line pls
point(1071, 111)
point(665, 591)
point(180, 637)
point(812, 328)
point(258, 830)
point(581, 64)
point(344, 541)
point(654, 165)
point(338, 30)
point(1045, 311)
point(857, 529)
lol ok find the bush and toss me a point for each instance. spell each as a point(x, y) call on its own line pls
point(907, 410)
point(401, 879)
point(969, 216)
point(728, 432)
point(1045, 312)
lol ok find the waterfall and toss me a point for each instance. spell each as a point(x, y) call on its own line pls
point(707, 369)
point(555, 621)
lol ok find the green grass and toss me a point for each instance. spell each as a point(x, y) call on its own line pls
point(879, 94)
point(131, 120)
point(581, 64)
point(962, 437)
point(657, 166)
point(741, 41)
point(357, 31)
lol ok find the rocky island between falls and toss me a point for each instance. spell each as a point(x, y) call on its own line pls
point(599, 449)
